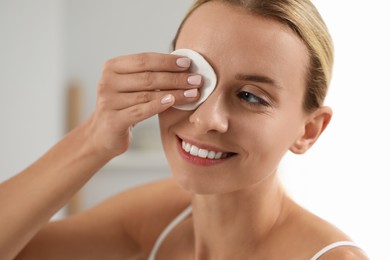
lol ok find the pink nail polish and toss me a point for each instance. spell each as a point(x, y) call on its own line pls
point(191, 93)
point(194, 80)
point(166, 99)
point(183, 62)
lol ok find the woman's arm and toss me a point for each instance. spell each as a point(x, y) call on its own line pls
point(124, 226)
point(28, 200)
point(132, 88)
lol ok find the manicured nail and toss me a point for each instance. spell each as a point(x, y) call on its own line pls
point(183, 62)
point(194, 80)
point(167, 99)
point(191, 93)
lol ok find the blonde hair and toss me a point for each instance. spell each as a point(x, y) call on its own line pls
point(304, 19)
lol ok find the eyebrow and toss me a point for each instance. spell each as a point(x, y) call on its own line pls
point(258, 78)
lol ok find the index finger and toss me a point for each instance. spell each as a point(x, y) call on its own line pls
point(150, 61)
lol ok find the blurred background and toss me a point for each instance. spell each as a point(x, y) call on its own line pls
point(51, 55)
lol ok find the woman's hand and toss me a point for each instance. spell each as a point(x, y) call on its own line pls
point(133, 88)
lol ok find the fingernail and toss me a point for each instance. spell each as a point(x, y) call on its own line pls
point(194, 80)
point(183, 62)
point(167, 99)
point(191, 93)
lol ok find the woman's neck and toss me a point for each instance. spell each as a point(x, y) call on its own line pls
point(239, 221)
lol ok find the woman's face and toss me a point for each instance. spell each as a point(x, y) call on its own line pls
point(254, 114)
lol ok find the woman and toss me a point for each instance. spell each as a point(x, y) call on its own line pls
point(273, 60)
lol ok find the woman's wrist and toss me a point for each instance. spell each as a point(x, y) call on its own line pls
point(91, 144)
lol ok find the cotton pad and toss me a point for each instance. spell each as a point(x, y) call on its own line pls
point(199, 66)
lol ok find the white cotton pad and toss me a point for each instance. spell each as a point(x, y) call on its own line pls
point(199, 66)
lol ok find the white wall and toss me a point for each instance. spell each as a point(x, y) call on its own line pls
point(346, 176)
point(31, 81)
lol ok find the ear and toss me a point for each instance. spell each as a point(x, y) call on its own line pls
point(314, 126)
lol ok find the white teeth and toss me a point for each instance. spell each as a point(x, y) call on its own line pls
point(203, 153)
point(211, 155)
point(194, 150)
point(187, 147)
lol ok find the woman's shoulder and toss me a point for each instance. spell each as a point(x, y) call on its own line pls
point(149, 208)
point(312, 234)
point(126, 224)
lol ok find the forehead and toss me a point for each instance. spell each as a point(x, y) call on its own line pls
point(233, 39)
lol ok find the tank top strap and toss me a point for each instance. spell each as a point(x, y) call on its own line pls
point(332, 246)
point(188, 211)
point(182, 216)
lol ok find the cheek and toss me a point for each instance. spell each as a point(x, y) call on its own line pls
point(168, 121)
point(170, 117)
point(263, 140)
point(266, 139)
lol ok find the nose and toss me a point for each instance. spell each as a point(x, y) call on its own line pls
point(211, 115)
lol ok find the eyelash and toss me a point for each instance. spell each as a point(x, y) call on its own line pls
point(245, 96)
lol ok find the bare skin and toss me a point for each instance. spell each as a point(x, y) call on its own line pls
point(126, 95)
point(240, 210)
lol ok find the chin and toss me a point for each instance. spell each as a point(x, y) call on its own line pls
point(202, 183)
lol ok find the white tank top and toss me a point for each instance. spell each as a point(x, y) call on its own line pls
point(187, 212)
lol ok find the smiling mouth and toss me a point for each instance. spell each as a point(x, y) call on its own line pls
point(203, 153)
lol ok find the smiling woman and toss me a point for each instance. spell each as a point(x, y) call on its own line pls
point(273, 61)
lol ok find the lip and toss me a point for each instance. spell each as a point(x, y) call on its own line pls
point(198, 160)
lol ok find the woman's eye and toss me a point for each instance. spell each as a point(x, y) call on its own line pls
point(252, 99)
